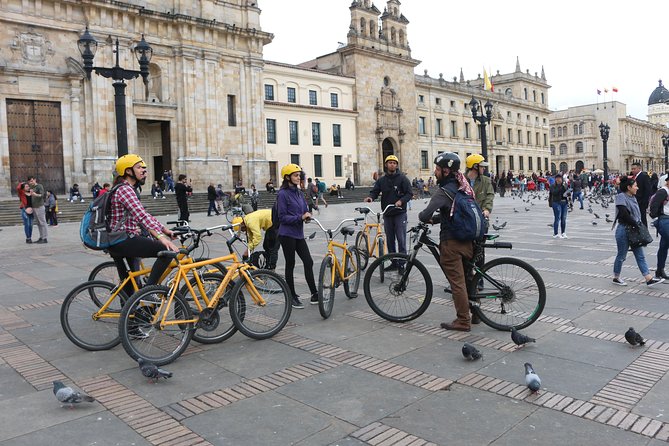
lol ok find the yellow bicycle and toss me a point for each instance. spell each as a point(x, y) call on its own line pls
point(371, 241)
point(334, 272)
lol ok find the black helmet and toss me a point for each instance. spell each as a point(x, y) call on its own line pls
point(448, 160)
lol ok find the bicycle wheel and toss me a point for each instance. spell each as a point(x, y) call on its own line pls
point(105, 271)
point(381, 245)
point(142, 338)
point(352, 273)
point(362, 245)
point(326, 286)
point(404, 295)
point(509, 293)
point(255, 319)
point(78, 321)
point(215, 324)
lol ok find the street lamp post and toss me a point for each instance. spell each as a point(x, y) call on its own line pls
point(665, 143)
point(143, 52)
point(482, 120)
point(604, 131)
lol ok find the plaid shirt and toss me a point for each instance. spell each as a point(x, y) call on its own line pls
point(128, 213)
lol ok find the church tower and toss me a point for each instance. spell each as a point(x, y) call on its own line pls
point(378, 56)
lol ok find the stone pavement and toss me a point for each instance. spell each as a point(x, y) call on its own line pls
point(354, 378)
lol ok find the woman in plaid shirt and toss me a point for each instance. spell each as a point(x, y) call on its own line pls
point(146, 236)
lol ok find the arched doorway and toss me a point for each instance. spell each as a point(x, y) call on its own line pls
point(579, 166)
point(553, 168)
point(388, 148)
point(564, 168)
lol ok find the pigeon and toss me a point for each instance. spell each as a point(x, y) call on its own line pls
point(594, 223)
point(606, 215)
point(68, 395)
point(527, 209)
point(590, 210)
point(595, 214)
point(152, 371)
point(633, 337)
point(520, 339)
point(532, 380)
point(503, 225)
point(497, 228)
point(470, 352)
point(608, 220)
point(515, 210)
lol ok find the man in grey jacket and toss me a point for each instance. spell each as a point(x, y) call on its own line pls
point(38, 196)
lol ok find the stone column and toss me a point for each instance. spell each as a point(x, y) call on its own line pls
point(75, 94)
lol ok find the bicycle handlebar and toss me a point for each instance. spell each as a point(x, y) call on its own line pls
point(362, 210)
point(329, 232)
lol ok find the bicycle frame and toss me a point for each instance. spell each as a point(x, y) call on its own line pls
point(373, 245)
point(338, 270)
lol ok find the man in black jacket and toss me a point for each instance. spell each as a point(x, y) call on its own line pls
point(394, 188)
point(181, 190)
point(643, 194)
point(211, 196)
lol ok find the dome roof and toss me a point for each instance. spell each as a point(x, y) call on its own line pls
point(659, 96)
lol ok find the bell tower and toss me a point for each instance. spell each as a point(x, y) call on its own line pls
point(394, 29)
point(364, 29)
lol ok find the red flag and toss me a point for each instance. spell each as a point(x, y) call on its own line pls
point(615, 90)
point(599, 91)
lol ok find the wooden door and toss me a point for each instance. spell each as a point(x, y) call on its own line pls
point(36, 143)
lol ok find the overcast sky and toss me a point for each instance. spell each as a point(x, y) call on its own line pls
point(583, 45)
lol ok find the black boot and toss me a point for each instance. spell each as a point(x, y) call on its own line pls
point(661, 274)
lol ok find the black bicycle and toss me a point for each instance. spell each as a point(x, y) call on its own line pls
point(504, 293)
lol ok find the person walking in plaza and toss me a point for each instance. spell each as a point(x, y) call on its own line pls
point(38, 196)
point(321, 188)
point(254, 224)
point(557, 199)
point(181, 191)
point(643, 194)
point(577, 190)
point(211, 196)
point(292, 213)
point(628, 215)
point(452, 251)
point(26, 206)
point(659, 207)
point(312, 195)
point(51, 205)
point(395, 188)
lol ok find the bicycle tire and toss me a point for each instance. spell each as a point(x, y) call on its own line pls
point(256, 321)
point(516, 307)
point(362, 244)
point(326, 287)
point(218, 326)
point(76, 317)
point(352, 266)
point(392, 300)
point(141, 339)
point(381, 245)
point(106, 272)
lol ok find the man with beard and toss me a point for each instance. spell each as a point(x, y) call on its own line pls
point(146, 236)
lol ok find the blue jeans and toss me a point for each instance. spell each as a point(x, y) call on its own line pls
point(623, 246)
point(663, 229)
point(27, 223)
point(395, 227)
point(560, 214)
point(577, 196)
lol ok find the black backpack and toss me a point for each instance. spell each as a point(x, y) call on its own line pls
point(468, 222)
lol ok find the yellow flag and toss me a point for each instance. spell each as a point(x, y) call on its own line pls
point(487, 85)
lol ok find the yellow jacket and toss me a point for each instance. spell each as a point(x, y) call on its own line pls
point(256, 222)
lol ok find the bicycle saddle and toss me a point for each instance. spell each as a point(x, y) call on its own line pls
point(362, 211)
point(347, 230)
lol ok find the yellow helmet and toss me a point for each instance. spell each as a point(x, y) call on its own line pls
point(474, 159)
point(290, 169)
point(391, 158)
point(127, 161)
point(237, 221)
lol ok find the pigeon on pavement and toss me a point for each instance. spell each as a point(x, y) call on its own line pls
point(520, 339)
point(152, 371)
point(595, 214)
point(515, 210)
point(594, 223)
point(470, 352)
point(608, 220)
point(633, 337)
point(68, 395)
point(527, 209)
point(532, 380)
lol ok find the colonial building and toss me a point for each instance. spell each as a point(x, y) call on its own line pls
point(201, 113)
point(576, 141)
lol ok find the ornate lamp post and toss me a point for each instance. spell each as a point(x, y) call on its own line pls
point(482, 120)
point(665, 143)
point(143, 52)
point(604, 131)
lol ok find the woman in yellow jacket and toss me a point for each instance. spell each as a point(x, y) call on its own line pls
point(254, 224)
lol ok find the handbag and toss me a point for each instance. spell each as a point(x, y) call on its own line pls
point(638, 236)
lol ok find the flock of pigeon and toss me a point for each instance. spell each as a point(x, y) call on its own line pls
point(67, 395)
point(532, 380)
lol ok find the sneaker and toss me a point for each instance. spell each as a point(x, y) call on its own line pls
point(476, 319)
point(314, 299)
point(619, 281)
point(137, 334)
point(29, 241)
point(42, 240)
point(555, 236)
point(564, 236)
point(296, 303)
point(391, 267)
point(654, 281)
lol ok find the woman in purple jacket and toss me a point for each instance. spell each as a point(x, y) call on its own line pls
point(293, 212)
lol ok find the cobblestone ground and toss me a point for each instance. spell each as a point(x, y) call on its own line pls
point(354, 378)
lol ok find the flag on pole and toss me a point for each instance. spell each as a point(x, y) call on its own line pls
point(599, 91)
point(615, 90)
point(606, 90)
point(487, 85)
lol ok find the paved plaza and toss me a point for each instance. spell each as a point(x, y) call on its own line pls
point(354, 379)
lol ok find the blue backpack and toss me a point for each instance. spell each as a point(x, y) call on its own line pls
point(468, 222)
point(95, 231)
